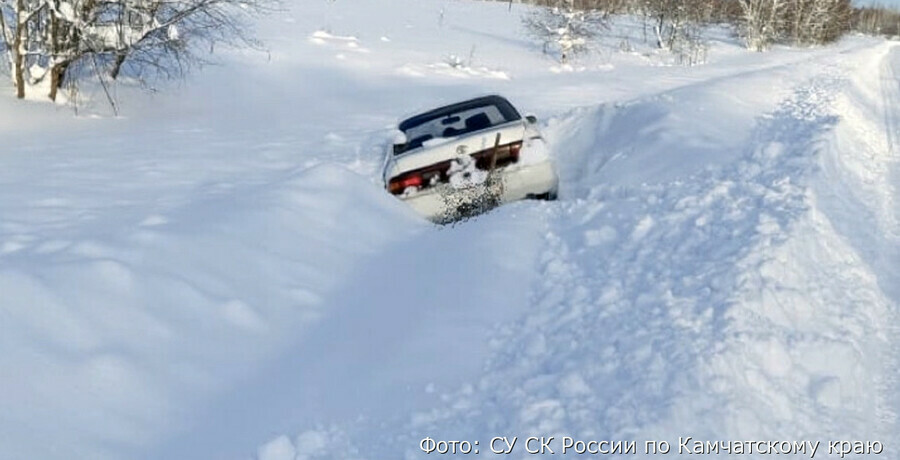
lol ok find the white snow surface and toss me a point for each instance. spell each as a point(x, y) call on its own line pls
point(218, 274)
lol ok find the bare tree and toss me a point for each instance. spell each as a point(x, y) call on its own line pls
point(53, 42)
point(816, 22)
point(565, 26)
point(797, 22)
point(761, 22)
point(678, 26)
point(877, 20)
point(14, 18)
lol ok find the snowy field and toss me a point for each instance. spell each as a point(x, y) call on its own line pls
point(218, 274)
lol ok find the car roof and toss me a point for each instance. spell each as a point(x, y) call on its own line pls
point(509, 112)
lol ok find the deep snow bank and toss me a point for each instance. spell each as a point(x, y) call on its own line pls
point(148, 317)
point(410, 322)
point(704, 276)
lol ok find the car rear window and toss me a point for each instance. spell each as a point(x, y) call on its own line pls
point(457, 120)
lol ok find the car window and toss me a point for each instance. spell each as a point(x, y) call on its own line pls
point(457, 120)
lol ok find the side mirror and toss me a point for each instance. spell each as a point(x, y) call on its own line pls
point(531, 118)
point(399, 141)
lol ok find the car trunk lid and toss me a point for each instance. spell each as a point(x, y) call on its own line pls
point(430, 162)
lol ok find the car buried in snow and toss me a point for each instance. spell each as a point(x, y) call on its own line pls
point(463, 159)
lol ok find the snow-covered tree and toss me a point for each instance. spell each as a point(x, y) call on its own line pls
point(52, 42)
point(814, 22)
point(678, 25)
point(761, 22)
point(676, 21)
point(565, 26)
point(877, 20)
point(801, 22)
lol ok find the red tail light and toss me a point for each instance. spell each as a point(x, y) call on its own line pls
point(401, 183)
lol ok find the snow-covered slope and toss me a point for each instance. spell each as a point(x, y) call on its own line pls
point(217, 273)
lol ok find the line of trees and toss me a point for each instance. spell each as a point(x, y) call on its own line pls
point(877, 20)
point(49, 43)
point(674, 25)
point(800, 22)
point(677, 25)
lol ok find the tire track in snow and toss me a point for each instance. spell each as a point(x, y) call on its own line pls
point(890, 90)
point(806, 299)
point(891, 96)
point(857, 193)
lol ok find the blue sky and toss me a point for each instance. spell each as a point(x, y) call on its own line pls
point(892, 3)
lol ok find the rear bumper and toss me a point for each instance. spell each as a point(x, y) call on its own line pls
point(518, 183)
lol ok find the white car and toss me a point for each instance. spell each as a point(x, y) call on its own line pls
point(461, 159)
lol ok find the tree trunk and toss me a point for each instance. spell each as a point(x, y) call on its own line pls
point(7, 37)
point(117, 67)
point(18, 50)
point(55, 72)
point(57, 75)
point(658, 28)
point(20, 77)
